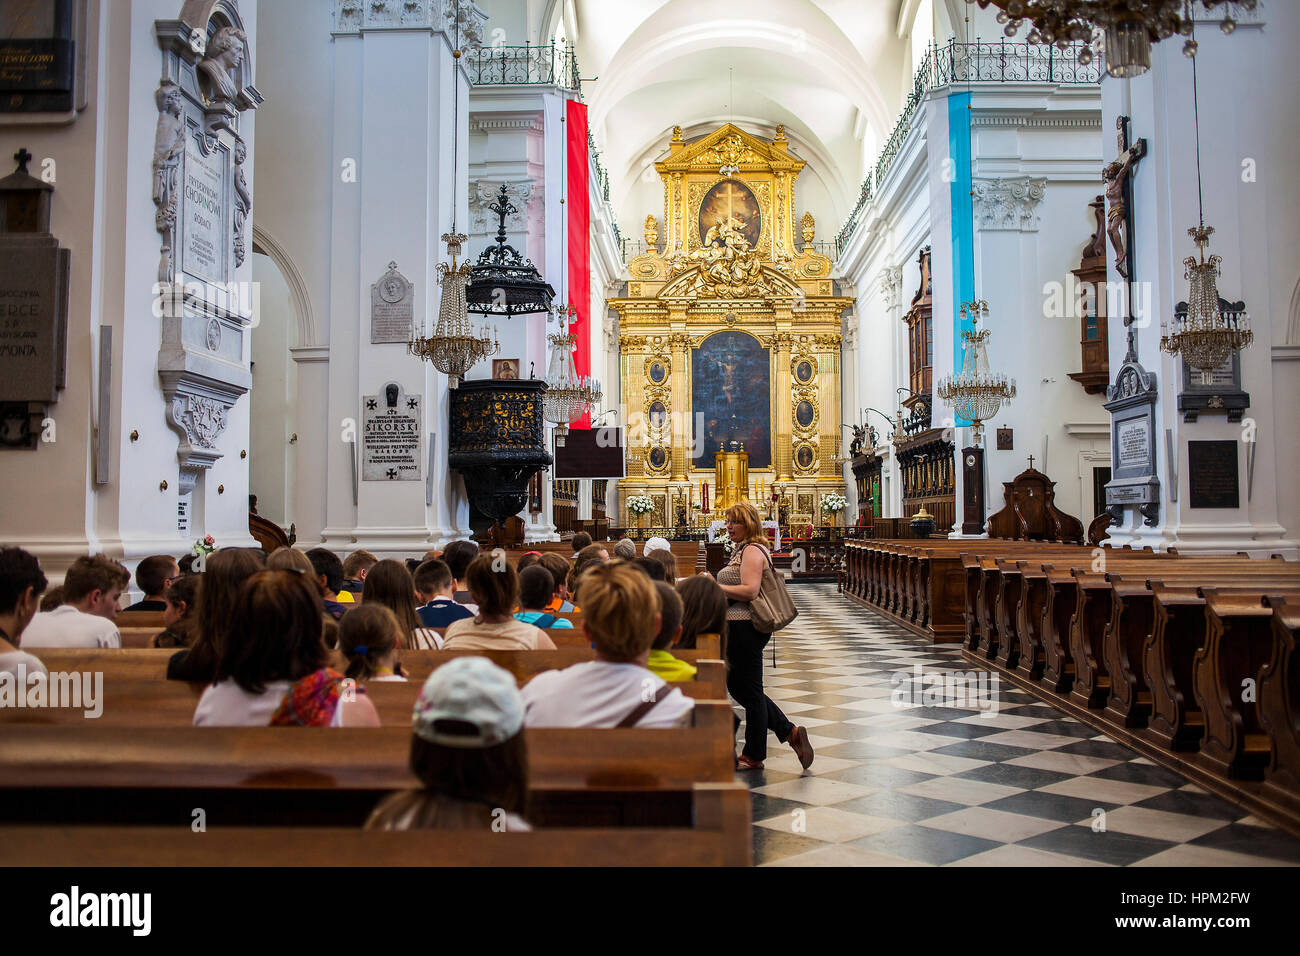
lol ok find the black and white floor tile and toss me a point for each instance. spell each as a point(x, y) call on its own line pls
point(903, 777)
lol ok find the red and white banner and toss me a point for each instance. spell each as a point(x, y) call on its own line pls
point(579, 224)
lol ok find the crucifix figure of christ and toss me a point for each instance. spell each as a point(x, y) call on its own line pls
point(1119, 197)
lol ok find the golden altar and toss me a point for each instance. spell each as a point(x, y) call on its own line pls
point(729, 336)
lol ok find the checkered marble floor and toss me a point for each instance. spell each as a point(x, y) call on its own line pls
point(1016, 784)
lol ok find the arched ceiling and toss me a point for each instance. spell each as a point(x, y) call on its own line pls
point(830, 71)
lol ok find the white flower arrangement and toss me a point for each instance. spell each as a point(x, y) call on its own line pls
point(640, 505)
point(728, 545)
point(834, 504)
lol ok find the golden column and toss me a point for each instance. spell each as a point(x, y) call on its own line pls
point(679, 344)
point(784, 429)
point(828, 400)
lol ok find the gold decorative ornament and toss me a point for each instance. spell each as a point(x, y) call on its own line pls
point(807, 229)
point(651, 232)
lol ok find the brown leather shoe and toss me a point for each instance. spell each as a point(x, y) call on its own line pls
point(802, 748)
point(745, 763)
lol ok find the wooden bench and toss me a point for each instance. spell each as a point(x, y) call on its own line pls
point(720, 835)
point(135, 693)
point(271, 776)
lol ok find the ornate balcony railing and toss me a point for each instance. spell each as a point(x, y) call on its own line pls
point(546, 65)
point(975, 62)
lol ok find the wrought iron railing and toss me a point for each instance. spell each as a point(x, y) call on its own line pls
point(975, 62)
point(546, 65)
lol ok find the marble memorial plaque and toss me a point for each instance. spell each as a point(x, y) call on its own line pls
point(392, 425)
point(1212, 475)
point(204, 213)
point(392, 308)
point(1131, 437)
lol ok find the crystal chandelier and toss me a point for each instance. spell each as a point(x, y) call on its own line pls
point(455, 346)
point(568, 397)
point(1210, 331)
point(977, 393)
point(1130, 26)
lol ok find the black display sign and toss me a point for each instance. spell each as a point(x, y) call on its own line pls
point(1212, 475)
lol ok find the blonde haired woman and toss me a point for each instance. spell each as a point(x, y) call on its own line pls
point(740, 581)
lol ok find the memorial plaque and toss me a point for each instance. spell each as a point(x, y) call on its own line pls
point(392, 426)
point(392, 308)
point(37, 56)
point(1131, 437)
point(32, 282)
point(1212, 475)
point(204, 212)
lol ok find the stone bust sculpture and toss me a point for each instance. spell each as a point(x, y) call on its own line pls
point(219, 65)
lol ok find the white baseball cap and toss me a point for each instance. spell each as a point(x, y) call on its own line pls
point(480, 697)
point(656, 544)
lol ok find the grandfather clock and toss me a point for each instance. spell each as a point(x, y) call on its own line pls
point(972, 477)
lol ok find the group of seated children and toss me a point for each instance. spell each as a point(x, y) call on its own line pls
point(276, 646)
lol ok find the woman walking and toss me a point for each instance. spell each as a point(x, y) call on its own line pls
point(740, 580)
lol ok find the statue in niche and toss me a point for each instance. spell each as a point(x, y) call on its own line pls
point(224, 54)
point(168, 146)
point(243, 199)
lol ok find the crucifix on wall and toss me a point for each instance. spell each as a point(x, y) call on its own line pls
point(1119, 217)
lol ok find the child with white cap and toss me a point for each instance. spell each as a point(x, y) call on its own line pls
point(468, 749)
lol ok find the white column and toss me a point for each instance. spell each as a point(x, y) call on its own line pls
point(1253, 204)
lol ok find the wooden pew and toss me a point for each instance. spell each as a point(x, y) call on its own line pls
point(720, 836)
point(273, 776)
point(134, 692)
point(139, 637)
point(1238, 644)
point(153, 619)
point(1279, 704)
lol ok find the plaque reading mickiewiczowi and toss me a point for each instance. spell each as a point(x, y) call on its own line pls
point(391, 426)
point(204, 212)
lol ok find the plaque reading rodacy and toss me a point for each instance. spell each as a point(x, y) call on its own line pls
point(391, 426)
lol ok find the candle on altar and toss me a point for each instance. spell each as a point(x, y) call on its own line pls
point(704, 496)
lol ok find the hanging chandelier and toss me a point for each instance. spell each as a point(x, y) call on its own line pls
point(568, 396)
point(977, 393)
point(504, 282)
point(455, 346)
point(1210, 330)
point(1130, 26)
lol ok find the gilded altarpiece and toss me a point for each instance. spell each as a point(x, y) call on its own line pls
point(729, 335)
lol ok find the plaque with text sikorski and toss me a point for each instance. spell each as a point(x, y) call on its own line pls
point(391, 430)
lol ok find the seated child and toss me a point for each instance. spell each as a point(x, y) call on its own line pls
point(434, 585)
point(180, 613)
point(495, 589)
point(621, 617)
point(559, 566)
point(468, 750)
point(535, 589)
point(369, 637)
point(660, 661)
